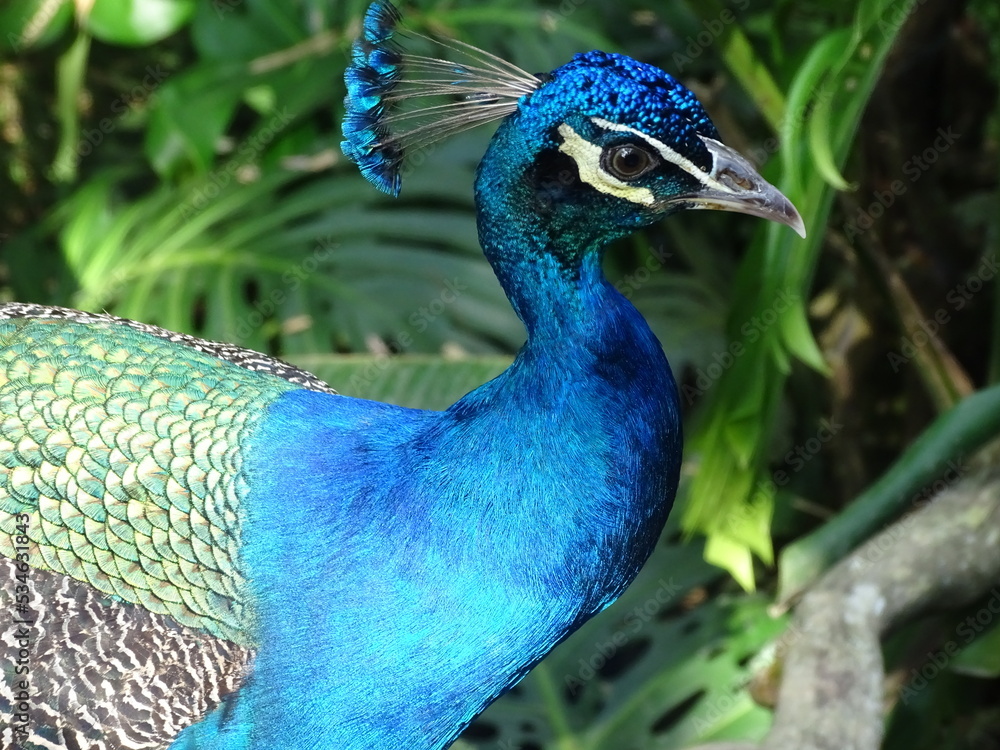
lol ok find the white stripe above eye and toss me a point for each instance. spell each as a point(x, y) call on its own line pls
point(667, 153)
point(587, 156)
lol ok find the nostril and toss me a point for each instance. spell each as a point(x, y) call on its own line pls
point(735, 181)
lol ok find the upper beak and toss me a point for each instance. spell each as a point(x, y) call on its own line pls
point(735, 185)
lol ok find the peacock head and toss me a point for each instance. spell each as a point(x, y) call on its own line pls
point(603, 141)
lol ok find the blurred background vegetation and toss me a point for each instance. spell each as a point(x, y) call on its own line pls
point(177, 162)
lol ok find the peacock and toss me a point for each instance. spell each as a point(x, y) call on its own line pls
point(205, 547)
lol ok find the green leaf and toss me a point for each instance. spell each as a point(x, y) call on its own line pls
point(799, 341)
point(821, 144)
point(734, 555)
point(754, 75)
point(981, 658)
point(137, 22)
point(742, 60)
point(289, 263)
point(805, 88)
point(190, 113)
point(28, 24)
point(70, 73)
point(228, 31)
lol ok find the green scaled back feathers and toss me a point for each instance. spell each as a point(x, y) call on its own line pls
point(90, 409)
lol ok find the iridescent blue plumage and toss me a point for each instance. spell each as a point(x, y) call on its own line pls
point(376, 136)
point(617, 87)
point(373, 73)
point(382, 573)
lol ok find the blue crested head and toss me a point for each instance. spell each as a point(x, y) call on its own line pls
point(604, 141)
point(619, 89)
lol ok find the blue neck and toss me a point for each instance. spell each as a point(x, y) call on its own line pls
point(591, 373)
point(449, 551)
point(546, 244)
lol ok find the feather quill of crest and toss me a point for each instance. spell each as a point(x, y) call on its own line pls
point(387, 115)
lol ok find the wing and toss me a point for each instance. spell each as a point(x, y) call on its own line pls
point(83, 670)
point(245, 358)
point(120, 498)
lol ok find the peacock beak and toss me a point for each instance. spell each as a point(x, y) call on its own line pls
point(734, 184)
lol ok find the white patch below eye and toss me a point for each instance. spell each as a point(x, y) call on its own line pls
point(588, 162)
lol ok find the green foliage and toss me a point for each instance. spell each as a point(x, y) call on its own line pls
point(825, 103)
point(136, 22)
point(177, 162)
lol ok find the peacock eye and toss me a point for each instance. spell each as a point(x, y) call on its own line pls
point(627, 161)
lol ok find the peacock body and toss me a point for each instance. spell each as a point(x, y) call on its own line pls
point(208, 548)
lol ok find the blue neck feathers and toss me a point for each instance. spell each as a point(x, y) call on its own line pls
point(447, 552)
point(591, 371)
point(546, 255)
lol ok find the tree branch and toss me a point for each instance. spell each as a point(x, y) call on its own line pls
point(942, 555)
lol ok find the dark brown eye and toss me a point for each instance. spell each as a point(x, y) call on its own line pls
point(627, 161)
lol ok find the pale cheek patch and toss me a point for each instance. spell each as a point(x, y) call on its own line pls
point(588, 162)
